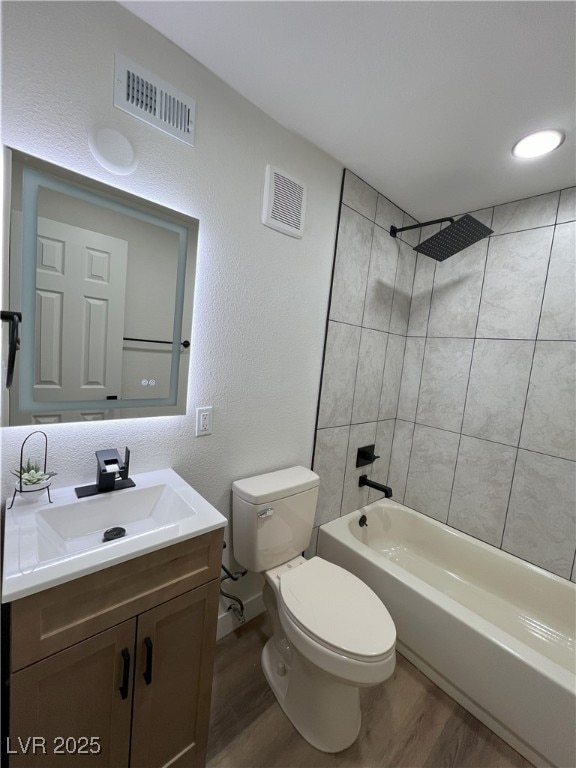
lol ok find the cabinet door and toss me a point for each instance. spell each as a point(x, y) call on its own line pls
point(173, 680)
point(74, 708)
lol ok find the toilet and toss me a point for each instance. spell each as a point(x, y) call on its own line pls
point(332, 634)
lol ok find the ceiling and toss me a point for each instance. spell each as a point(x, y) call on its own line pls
point(423, 100)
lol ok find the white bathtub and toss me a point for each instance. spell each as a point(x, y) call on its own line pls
point(494, 632)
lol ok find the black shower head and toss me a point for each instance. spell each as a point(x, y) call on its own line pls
point(454, 238)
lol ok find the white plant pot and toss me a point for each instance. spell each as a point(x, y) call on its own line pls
point(29, 493)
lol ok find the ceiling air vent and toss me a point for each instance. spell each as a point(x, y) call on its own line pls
point(284, 203)
point(152, 100)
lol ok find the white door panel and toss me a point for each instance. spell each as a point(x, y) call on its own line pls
point(80, 288)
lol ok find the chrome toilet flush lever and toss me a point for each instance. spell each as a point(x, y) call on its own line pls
point(268, 512)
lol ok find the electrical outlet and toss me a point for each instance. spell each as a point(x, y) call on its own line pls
point(204, 421)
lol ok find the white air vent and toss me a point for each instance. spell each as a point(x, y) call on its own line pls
point(152, 100)
point(284, 203)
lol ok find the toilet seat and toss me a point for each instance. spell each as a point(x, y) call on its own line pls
point(337, 610)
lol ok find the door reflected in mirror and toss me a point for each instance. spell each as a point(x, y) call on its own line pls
point(105, 284)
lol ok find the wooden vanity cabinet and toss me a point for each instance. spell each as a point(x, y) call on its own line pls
point(74, 693)
point(114, 669)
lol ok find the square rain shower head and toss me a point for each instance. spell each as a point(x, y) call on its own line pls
point(450, 240)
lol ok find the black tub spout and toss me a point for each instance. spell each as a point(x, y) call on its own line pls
point(385, 489)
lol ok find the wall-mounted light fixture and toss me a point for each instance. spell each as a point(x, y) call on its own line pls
point(113, 151)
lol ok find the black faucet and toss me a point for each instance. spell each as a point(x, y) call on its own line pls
point(385, 489)
point(109, 466)
point(111, 473)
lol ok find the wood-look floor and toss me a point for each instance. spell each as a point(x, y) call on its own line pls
point(407, 722)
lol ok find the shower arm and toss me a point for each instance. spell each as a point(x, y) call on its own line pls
point(394, 230)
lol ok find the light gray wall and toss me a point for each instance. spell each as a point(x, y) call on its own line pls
point(479, 431)
point(260, 298)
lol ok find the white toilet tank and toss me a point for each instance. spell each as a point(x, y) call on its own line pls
point(273, 517)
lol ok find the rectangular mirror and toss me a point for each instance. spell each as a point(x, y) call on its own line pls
point(105, 284)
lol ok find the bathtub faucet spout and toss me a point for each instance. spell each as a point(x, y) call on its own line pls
point(385, 489)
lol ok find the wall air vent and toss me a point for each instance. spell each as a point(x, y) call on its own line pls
point(152, 100)
point(284, 203)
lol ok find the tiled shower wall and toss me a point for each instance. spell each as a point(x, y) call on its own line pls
point(462, 372)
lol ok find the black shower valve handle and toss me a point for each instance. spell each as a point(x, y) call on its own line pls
point(366, 455)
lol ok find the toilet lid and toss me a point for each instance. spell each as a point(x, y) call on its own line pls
point(338, 610)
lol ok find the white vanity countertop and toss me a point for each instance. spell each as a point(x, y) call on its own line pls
point(49, 544)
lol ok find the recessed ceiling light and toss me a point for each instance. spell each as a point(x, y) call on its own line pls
point(539, 143)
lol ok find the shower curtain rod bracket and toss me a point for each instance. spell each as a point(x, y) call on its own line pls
point(394, 230)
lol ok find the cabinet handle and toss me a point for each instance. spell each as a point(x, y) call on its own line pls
point(125, 673)
point(148, 671)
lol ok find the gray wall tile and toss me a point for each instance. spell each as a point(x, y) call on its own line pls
point(481, 490)
point(339, 375)
point(514, 284)
point(400, 458)
point(421, 295)
point(550, 419)
point(484, 215)
point(388, 214)
point(567, 207)
point(411, 374)
point(539, 211)
point(381, 278)
point(359, 195)
point(497, 391)
point(456, 294)
point(558, 319)
point(330, 466)
point(379, 473)
point(431, 471)
point(392, 377)
point(355, 497)
point(426, 232)
point(403, 289)
point(351, 267)
point(444, 381)
point(541, 520)
point(369, 376)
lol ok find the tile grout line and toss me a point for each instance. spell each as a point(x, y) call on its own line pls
point(327, 324)
point(483, 439)
point(374, 225)
point(528, 387)
point(469, 373)
point(421, 371)
point(379, 194)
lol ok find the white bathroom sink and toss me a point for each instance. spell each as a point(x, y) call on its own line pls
point(49, 544)
point(70, 528)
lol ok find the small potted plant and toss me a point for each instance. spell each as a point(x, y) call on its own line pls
point(31, 477)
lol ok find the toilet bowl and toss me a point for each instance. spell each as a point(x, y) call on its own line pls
point(332, 634)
